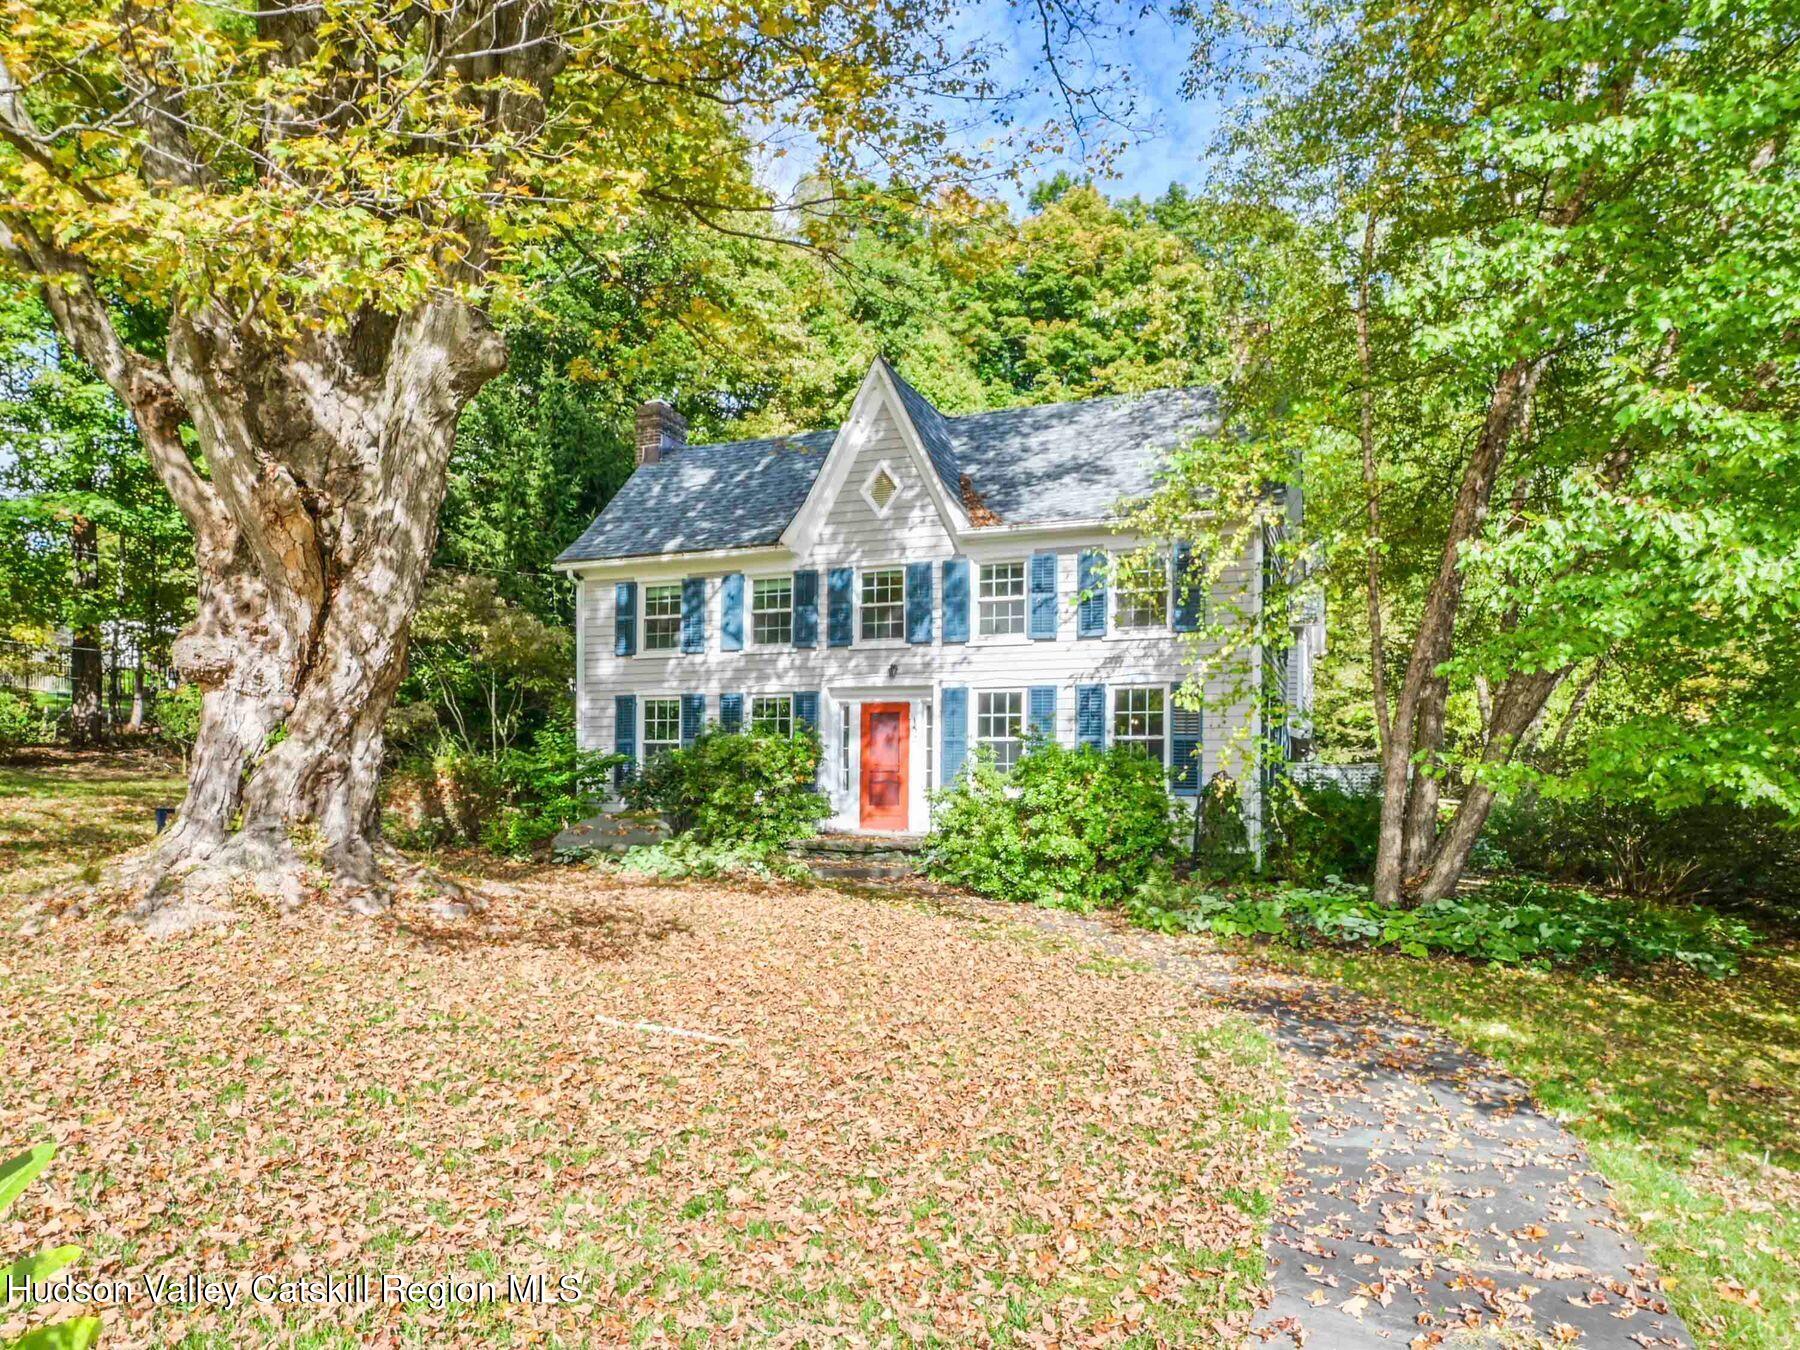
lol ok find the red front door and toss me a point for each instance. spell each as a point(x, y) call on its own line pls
point(885, 734)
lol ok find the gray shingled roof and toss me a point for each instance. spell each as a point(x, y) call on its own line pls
point(1055, 462)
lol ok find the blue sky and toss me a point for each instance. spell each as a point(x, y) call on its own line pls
point(1169, 133)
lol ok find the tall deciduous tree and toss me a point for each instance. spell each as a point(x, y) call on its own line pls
point(1554, 369)
point(322, 197)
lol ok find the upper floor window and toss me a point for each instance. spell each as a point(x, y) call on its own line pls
point(662, 725)
point(1141, 583)
point(662, 618)
point(772, 611)
point(1002, 598)
point(1140, 719)
point(773, 713)
point(884, 603)
point(1000, 726)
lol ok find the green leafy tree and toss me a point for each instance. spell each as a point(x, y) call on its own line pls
point(92, 543)
point(330, 203)
point(1544, 412)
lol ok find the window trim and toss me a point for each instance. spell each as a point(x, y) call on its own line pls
point(861, 634)
point(753, 582)
point(644, 616)
point(978, 740)
point(1112, 718)
point(644, 702)
point(1023, 600)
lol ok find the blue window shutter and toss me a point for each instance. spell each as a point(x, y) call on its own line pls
point(1090, 715)
point(1090, 617)
point(731, 712)
point(693, 715)
point(625, 618)
point(956, 600)
point(806, 609)
point(1184, 747)
point(918, 603)
point(806, 708)
point(840, 606)
point(955, 706)
point(1043, 596)
point(624, 735)
point(1188, 599)
point(693, 614)
point(1041, 714)
point(731, 615)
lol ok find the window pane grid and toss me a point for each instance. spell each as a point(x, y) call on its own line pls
point(1139, 719)
point(772, 612)
point(1143, 592)
point(999, 725)
point(1001, 593)
point(662, 618)
point(884, 603)
point(773, 713)
point(662, 726)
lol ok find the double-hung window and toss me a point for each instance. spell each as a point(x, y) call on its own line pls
point(772, 611)
point(772, 713)
point(1140, 720)
point(1001, 592)
point(662, 726)
point(662, 618)
point(884, 603)
point(1142, 586)
point(1000, 726)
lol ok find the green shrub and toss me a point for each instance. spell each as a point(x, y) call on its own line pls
point(544, 790)
point(15, 1175)
point(740, 787)
point(177, 713)
point(1322, 830)
point(678, 859)
point(18, 720)
point(1078, 827)
point(1510, 922)
point(509, 803)
point(1221, 848)
point(1720, 853)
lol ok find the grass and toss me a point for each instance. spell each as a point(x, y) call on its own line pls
point(62, 815)
point(1685, 1089)
point(911, 1131)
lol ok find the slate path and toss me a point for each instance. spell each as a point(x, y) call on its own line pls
point(1429, 1202)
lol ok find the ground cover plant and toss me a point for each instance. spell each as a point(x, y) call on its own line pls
point(1509, 921)
point(1685, 1089)
point(735, 1112)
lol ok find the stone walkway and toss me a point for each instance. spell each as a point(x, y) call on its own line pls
point(1430, 1202)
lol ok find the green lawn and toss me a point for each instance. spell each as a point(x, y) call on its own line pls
point(1685, 1089)
point(62, 814)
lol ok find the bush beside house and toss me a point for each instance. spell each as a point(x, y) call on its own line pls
point(1079, 827)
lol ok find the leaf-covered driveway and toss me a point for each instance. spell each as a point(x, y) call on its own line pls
point(1429, 1202)
point(882, 1124)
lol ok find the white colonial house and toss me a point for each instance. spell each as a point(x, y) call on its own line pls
point(911, 585)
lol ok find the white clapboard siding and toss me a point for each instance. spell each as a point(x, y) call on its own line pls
point(853, 534)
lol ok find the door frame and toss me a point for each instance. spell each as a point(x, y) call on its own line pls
point(866, 710)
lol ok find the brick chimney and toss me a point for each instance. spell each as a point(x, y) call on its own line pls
point(660, 429)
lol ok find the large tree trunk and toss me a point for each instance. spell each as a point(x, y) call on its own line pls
point(85, 666)
point(329, 463)
point(1418, 712)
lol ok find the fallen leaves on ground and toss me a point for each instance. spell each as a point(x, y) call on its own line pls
point(894, 1125)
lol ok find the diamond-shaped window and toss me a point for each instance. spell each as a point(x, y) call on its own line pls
point(881, 489)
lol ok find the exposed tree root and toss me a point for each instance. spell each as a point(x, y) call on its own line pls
point(183, 881)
